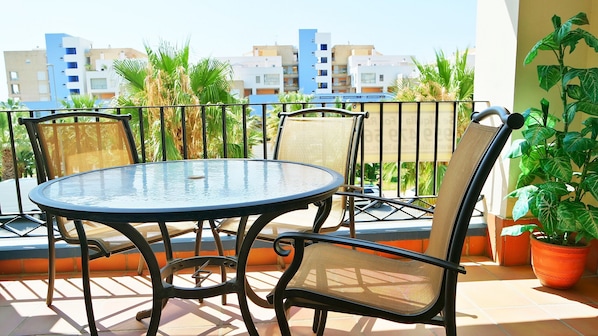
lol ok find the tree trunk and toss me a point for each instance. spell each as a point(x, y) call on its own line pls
point(8, 169)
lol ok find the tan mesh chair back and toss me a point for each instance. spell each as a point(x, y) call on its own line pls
point(377, 280)
point(325, 137)
point(322, 136)
point(75, 142)
point(66, 144)
point(455, 185)
point(323, 141)
point(78, 147)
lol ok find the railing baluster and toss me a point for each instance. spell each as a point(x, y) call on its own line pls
point(262, 110)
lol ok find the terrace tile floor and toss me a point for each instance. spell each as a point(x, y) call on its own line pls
point(492, 300)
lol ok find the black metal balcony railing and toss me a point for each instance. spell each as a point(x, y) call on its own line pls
point(402, 152)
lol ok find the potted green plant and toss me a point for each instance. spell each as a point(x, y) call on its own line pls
point(558, 183)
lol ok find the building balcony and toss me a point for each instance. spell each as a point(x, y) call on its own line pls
point(496, 297)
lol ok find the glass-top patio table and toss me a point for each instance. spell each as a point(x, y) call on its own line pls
point(186, 190)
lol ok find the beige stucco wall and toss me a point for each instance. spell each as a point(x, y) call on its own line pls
point(506, 30)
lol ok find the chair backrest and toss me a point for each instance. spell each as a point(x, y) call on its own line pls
point(468, 169)
point(323, 136)
point(68, 143)
point(75, 142)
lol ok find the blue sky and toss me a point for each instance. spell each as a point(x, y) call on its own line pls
point(232, 27)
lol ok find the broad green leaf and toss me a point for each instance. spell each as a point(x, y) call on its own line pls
point(579, 19)
point(520, 208)
point(590, 184)
point(568, 214)
point(588, 220)
point(588, 80)
point(588, 107)
point(591, 40)
point(558, 189)
point(546, 205)
point(546, 43)
point(569, 113)
point(536, 135)
point(574, 142)
point(517, 230)
point(548, 76)
point(571, 39)
point(515, 150)
point(559, 167)
point(574, 92)
point(525, 179)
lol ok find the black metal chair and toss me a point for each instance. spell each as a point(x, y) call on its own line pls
point(73, 142)
point(322, 136)
point(326, 137)
point(330, 273)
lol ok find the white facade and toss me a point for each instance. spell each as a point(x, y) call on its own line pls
point(257, 72)
point(76, 63)
point(323, 54)
point(379, 71)
point(104, 80)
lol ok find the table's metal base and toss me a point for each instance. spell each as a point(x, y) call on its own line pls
point(168, 290)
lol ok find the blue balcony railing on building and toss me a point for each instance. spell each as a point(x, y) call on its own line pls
point(403, 144)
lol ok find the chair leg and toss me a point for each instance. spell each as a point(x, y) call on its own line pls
point(450, 325)
point(51, 260)
point(281, 308)
point(321, 323)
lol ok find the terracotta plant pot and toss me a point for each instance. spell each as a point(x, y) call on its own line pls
point(558, 266)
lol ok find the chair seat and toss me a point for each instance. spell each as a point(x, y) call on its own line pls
point(114, 241)
point(299, 220)
point(381, 283)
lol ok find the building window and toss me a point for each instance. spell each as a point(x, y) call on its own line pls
point(14, 75)
point(257, 79)
point(73, 79)
point(271, 79)
point(323, 72)
point(99, 84)
point(382, 78)
point(368, 78)
point(324, 60)
point(15, 89)
point(74, 91)
point(43, 88)
point(72, 65)
point(322, 85)
point(41, 76)
point(323, 46)
point(71, 51)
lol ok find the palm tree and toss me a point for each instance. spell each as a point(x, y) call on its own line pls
point(168, 78)
point(293, 101)
point(20, 138)
point(80, 101)
point(441, 81)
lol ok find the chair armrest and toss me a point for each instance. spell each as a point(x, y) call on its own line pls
point(300, 239)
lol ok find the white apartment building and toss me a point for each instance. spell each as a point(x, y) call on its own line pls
point(255, 75)
point(376, 73)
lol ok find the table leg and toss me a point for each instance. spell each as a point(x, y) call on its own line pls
point(158, 290)
point(243, 290)
point(85, 277)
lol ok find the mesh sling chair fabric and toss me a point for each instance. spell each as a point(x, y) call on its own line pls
point(322, 136)
point(73, 142)
point(392, 283)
